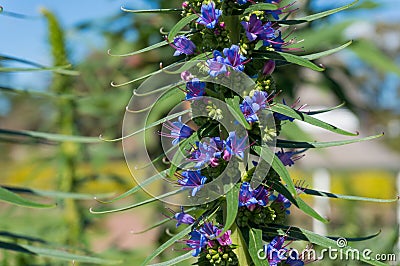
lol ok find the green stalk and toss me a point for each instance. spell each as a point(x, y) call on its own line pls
point(65, 122)
point(232, 24)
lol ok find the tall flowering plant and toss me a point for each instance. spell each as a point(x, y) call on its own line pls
point(227, 162)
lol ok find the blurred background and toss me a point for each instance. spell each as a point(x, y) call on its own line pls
point(44, 33)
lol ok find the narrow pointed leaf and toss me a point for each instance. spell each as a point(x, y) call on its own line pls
point(326, 53)
point(267, 155)
point(171, 193)
point(49, 136)
point(236, 112)
point(259, 7)
point(58, 69)
point(180, 25)
point(290, 58)
point(12, 198)
point(255, 244)
point(280, 143)
point(329, 243)
point(139, 187)
point(176, 260)
point(167, 244)
point(64, 255)
point(148, 48)
point(232, 206)
point(54, 194)
point(298, 202)
point(346, 197)
point(160, 10)
point(286, 110)
point(324, 110)
point(317, 15)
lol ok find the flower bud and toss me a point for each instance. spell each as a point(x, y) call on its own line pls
point(268, 68)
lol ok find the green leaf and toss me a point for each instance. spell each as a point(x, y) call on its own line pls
point(372, 55)
point(148, 48)
point(175, 260)
point(241, 251)
point(324, 110)
point(286, 110)
point(298, 202)
point(49, 136)
point(326, 53)
point(291, 58)
point(180, 25)
point(259, 7)
point(37, 67)
point(64, 255)
point(280, 143)
point(12, 198)
point(171, 193)
point(255, 244)
point(168, 243)
point(267, 155)
point(160, 10)
point(54, 194)
point(139, 187)
point(346, 197)
point(317, 15)
point(236, 112)
point(329, 243)
point(232, 205)
point(156, 123)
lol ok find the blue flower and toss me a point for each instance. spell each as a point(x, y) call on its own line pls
point(183, 46)
point(248, 112)
point(193, 180)
point(234, 58)
point(209, 15)
point(196, 242)
point(287, 157)
point(179, 131)
point(241, 2)
point(183, 218)
point(282, 200)
point(255, 29)
point(234, 146)
point(216, 65)
point(225, 239)
point(209, 230)
point(274, 251)
point(253, 198)
point(293, 260)
point(195, 88)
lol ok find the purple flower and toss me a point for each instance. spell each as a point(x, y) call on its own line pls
point(193, 180)
point(254, 29)
point(294, 260)
point(216, 64)
point(288, 158)
point(253, 198)
point(183, 218)
point(282, 200)
point(275, 252)
point(195, 88)
point(183, 46)
point(234, 58)
point(234, 146)
point(196, 242)
point(178, 130)
point(209, 230)
point(248, 112)
point(246, 197)
point(225, 239)
point(209, 15)
point(241, 2)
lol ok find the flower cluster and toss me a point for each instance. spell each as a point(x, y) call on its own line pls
point(214, 244)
